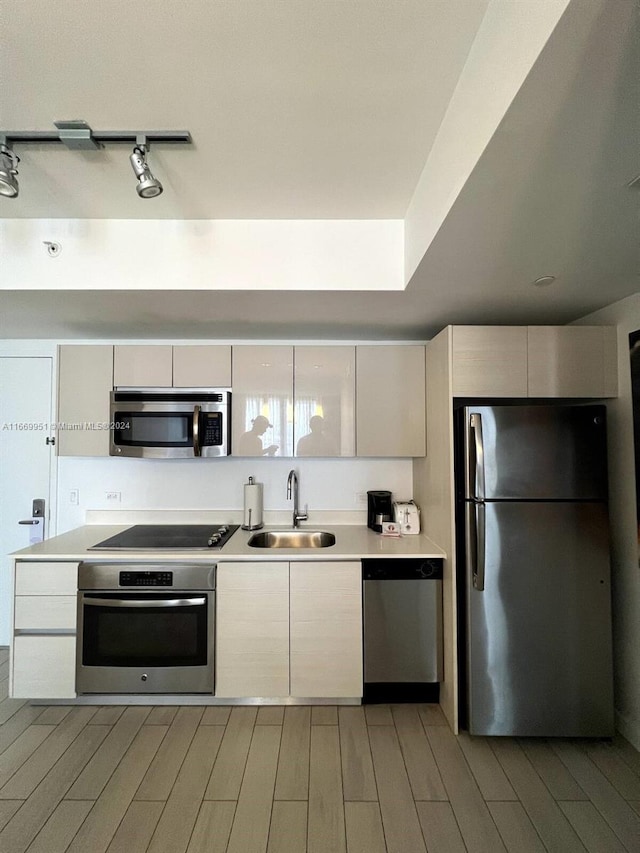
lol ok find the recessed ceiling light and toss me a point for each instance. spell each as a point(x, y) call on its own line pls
point(544, 280)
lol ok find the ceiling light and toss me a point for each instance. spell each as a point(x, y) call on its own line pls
point(148, 186)
point(8, 171)
point(77, 135)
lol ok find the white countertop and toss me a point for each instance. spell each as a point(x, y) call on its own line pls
point(352, 542)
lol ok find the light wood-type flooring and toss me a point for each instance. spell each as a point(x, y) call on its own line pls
point(286, 780)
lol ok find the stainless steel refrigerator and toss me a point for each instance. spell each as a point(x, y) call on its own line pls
point(534, 570)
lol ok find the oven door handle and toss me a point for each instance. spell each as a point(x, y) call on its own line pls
point(166, 602)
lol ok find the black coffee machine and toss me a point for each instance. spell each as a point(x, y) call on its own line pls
point(379, 509)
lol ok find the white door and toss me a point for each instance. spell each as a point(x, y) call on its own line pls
point(25, 462)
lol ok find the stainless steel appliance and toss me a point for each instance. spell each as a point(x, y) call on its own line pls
point(402, 629)
point(534, 564)
point(168, 537)
point(170, 422)
point(145, 628)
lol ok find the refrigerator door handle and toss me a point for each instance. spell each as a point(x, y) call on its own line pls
point(477, 488)
point(475, 539)
point(478, 575)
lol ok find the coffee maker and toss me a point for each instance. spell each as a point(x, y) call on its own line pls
point(379, 509)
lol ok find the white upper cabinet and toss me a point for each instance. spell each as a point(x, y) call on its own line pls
point(85, 379)
point(489, 361)
point(262, 406)
point(202, 366)
point(572, 361)
point(390, 400)
point(143, 366)
point(324, 404)
point(534, 361)
point(185, 366)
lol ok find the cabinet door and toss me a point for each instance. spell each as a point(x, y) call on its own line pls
point(85, 380)
point(489, 361)
point(44, 667)
point(324, 406)
point(390, 395)
point(262, 410)
point(143, 366)
point(571, 361)
point(326, 630)
point(252, 629)
point(202, 366)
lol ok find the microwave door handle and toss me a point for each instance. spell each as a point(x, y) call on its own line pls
point(196, 431)
point(167, 602)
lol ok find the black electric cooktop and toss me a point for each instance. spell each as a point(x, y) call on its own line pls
point(169, 537)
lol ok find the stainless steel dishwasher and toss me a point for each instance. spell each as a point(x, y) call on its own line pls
point(402, 629)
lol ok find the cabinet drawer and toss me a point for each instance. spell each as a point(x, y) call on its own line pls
point(45, 612)
point(46, 578)
point(44, 667)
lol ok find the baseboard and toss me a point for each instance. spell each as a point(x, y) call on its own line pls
point(400, 692)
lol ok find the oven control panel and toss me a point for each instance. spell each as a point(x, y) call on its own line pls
point(146, 579)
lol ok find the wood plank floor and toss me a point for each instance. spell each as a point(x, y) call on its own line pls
point(378, 779)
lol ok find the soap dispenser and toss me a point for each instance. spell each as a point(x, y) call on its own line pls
point(252, 519)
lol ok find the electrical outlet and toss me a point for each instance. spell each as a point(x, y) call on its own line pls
point(113, 497)
point(74, 496)
point(361, 497)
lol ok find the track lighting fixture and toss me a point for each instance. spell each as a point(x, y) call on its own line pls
point(77, 135)
point(148, 186)
point(8, 171)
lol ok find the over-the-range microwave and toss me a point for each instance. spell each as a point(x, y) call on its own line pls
point(164, 423)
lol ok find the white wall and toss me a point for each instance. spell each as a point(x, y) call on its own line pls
point(117, 254)
point(626, 571)
point(201, 484)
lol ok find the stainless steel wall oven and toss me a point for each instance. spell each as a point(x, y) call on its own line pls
point(145, 628)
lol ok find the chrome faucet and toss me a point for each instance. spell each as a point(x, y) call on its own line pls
point(292, 487)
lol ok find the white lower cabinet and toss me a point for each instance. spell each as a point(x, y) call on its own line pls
point(44, 620)
point(44, 667)
point(289, 629)
point(326, 630)
point(252, 629)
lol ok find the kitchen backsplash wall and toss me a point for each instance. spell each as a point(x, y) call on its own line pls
point(167, 484)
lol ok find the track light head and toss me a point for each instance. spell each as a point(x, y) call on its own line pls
point(8, 171)
point(148, 186)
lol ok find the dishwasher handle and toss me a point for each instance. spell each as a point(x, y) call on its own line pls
point(400, 568)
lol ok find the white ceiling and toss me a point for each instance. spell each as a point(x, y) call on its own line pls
point(323, 110)
point(297, 108)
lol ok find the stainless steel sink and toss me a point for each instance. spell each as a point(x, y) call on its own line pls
point(292, 539)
